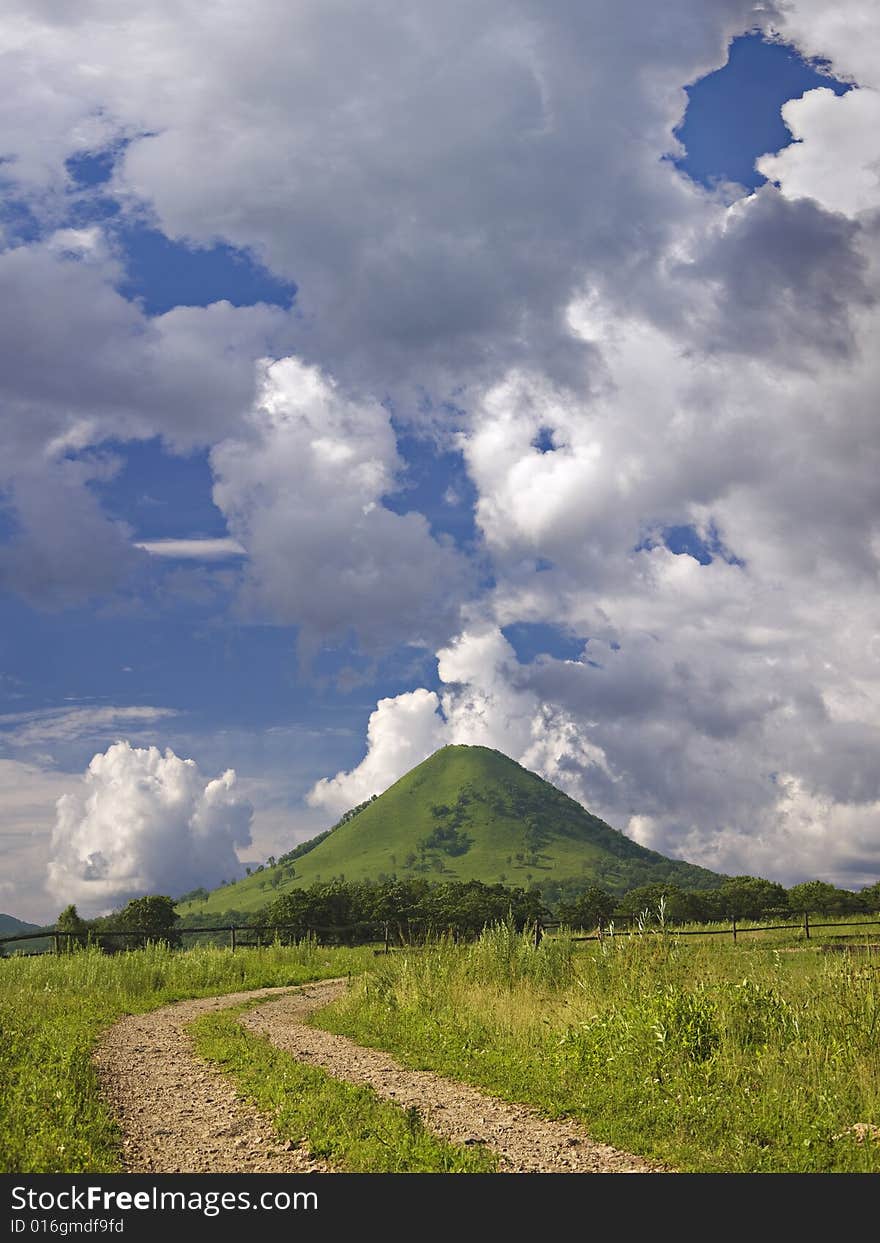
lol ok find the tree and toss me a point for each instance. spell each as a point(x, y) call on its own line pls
point(678, 906)
point(750, 897)
point(870, 897)
point(69, 920)
point(195, 895)
point(588, 908)
point(290, 910)
point(153, 916)
point(819, 896)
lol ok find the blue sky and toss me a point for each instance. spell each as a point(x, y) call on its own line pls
point(457, 432)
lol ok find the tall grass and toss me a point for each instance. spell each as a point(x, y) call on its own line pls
point(709, 1057)
point(53, 1008)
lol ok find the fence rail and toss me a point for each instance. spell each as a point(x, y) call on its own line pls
point(733, 929)
point(381, 930)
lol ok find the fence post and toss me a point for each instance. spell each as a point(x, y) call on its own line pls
point(539, 932)
point(601, 928)
point(387, 939)
point(807, 924)
point(232, 938)
point(57, 939)
point(733, 923)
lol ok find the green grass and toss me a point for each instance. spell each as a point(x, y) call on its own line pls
point(343, 1123)
point(707, 1056)
point(53, 1008)
point(501, 808)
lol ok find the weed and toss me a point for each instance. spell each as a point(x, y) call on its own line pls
point(710, 1057)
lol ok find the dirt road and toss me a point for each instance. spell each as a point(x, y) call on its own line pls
point(178, 1114)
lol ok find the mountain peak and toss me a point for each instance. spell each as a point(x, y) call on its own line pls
point(470, 813)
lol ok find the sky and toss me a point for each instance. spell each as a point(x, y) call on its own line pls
point(377, 376)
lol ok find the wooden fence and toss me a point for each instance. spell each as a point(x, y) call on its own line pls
point(237, 933)
point(386, 932)
point(734, 929)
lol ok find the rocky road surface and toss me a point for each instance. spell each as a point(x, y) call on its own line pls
point(178, 1114)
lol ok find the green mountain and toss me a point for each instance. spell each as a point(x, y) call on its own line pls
point(466, 813)
point(9, 926)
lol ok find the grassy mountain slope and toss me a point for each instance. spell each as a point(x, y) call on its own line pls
point(9, 926)
point(467, 813)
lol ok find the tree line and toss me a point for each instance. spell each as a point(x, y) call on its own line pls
point(345, 912)
point(739, 897)
point(348, 912)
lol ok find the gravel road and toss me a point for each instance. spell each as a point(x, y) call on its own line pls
point(178, 1114)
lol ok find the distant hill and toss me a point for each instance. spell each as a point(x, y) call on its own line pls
point(466, 813)
point(9, 925)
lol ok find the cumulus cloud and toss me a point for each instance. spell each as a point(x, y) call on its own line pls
point(302, 491)
point(657, 737)
point(65, 549)
point(401, 733)
point(484, 701)
point(83, 364)
point(145, 822)
point(80, 365)
point(846, 34)
point(29, 794)
point(474, 204)
point(339, 142)
point(714, 688)
point(835, 158)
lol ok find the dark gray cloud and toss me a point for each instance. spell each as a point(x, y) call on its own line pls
point(786, 277)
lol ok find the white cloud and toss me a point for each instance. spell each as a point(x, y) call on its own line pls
point(474, 204)
point(484, 702)
point(339, 142)
point(301, 488)
point(686, 770)
point(143, 822)
point(835, 158)
point(197, 549)
point(401, 733)
point(65, 549)
point(80, 365)
point(846, 33)
point(64, 725)
point(28, 795)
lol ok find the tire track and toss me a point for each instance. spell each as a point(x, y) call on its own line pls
point(179, 1114)
point(525, 1141)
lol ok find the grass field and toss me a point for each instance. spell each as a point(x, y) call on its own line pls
point(52, 1009)
point(706, 1055)
point(709, 1056)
